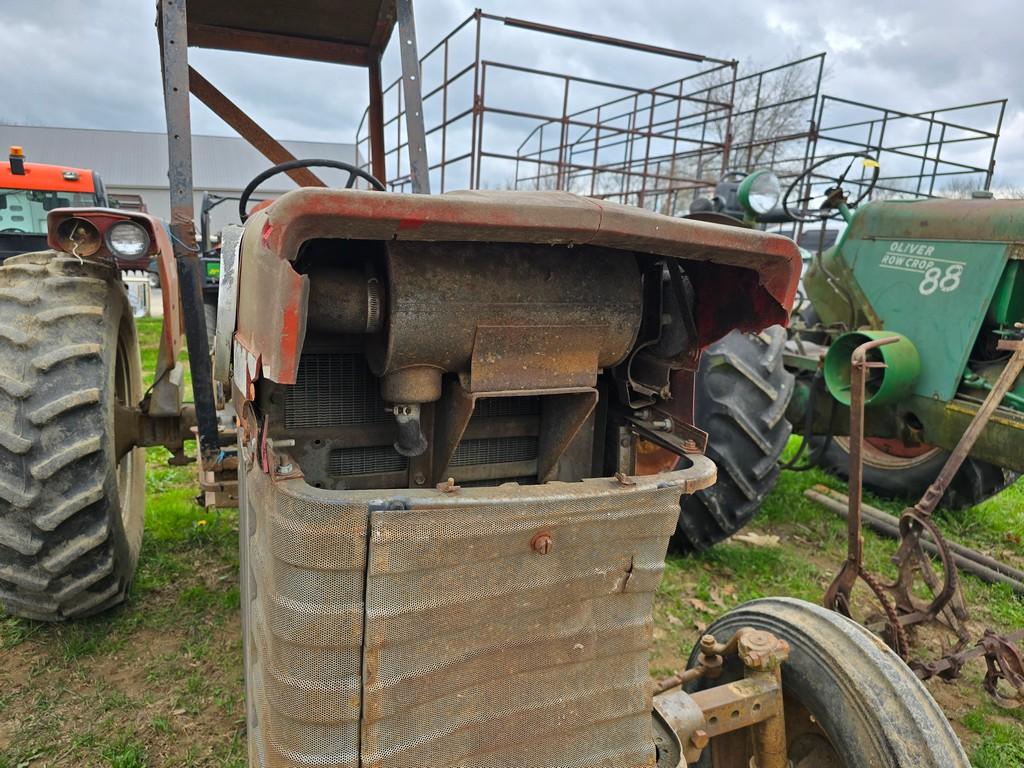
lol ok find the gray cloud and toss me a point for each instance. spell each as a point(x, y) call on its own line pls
point(95, 64)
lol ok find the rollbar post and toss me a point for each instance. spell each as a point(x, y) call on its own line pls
point(174, 64)
point(419, 168)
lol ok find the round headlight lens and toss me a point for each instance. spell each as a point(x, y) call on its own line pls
point(128, 240)
point(759, 192)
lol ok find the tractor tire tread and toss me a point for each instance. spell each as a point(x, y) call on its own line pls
point(61, 552)
point(743, 390)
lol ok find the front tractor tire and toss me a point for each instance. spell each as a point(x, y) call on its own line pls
point(742, 392)
point(71, 514)
point(849, 701)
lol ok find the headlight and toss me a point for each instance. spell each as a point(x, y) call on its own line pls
point(78, 236)
point(759, 192)
point(128, 240)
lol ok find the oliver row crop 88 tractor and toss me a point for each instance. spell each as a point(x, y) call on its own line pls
point(946, 276)
point(447, 556)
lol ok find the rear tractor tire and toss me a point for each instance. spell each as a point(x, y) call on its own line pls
point(71, 514)
point(906, 475)
point(742, 392)
point(850, 702)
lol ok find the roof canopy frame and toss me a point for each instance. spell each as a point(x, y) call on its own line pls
point(354, 33)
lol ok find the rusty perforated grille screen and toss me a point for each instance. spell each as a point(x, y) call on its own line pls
point(448, 641)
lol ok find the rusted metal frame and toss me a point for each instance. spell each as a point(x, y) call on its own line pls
point(478, 106)
point(627, 149)
point(478, 150)
point(560, 179)
point(924, 154)
point(174, 64)
point(563, 413)
point(912, 115)
point(444, 118)
point(419, 167)
point(812, 133)
point(647, 152)
point(618, 169)
point(603, 39)
point(269, 44)
point(562, 417)
point(969, 560)
point(247, 128)
point(727, 143)
point(838, 595)
point(753, 119)
point(626, 133)
point(135, 429)
point(756, 701)
point(879, 146)
point(938, 159)
point(1003, 659)
point(992, 155)
point(375, 134)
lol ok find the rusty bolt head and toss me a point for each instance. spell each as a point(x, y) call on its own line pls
point(762, 650)
point(699, 738)
point(542, 543)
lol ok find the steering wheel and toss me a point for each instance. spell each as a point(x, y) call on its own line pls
point(798, 208)
point(12, 231)
point(353, 174)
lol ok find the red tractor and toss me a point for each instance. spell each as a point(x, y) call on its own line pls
point(29, 191)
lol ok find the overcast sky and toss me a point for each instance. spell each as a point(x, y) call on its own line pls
point(94, 63)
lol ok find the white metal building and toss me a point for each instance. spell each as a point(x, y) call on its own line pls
point(135, 163)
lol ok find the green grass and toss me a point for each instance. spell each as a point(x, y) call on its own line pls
point(158, 681)
point(812, 545)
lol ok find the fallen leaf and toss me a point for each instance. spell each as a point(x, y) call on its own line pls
point(757, 539)
point(700, 626)
point(716, 597)
point(674, 620)
point(698, 604)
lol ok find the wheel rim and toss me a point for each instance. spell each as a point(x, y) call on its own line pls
point(891, 454)
point(122, 397)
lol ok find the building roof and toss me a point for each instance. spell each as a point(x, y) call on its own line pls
point(139, 160)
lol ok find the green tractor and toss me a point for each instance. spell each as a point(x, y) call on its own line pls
point(945, 275)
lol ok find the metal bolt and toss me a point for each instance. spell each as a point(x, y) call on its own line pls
point(665, 425)
point(542, 543)
point(419, 479)
point(285, 469)
point(700, 738)
point(761, 650)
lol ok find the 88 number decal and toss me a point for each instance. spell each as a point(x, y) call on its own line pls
point(935, 279)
